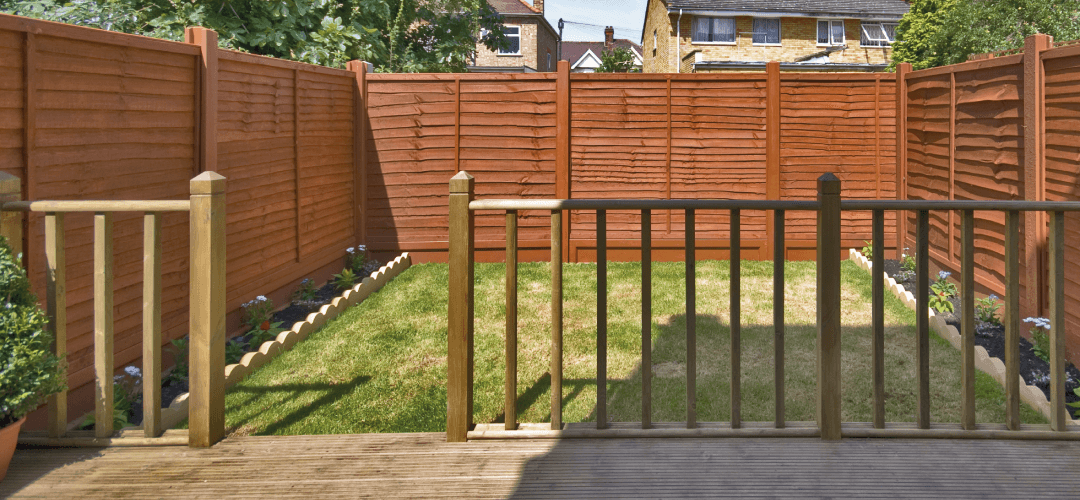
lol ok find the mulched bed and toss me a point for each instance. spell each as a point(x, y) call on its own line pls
point(991, 337)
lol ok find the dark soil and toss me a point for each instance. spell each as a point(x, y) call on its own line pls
point(991, 337)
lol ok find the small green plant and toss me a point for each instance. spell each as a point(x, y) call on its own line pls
point(179, 372)
point(907, 262)
point(986, 310)
point(1076, 405)
point(257, 311)
point(868, 250)
point(345, 279)
point(264, 332)
point(356, 258)
point(126, 390)
point(306, 291)
point(1040, 337)
point(943, 291)
point(29, 371)
point(234, 352)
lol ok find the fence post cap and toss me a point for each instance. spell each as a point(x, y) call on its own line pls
point(461, 183)
point(208, 183)
point(828, 184)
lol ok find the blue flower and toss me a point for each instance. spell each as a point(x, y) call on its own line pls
point(943, 275)
point(133, 371)
point(261, 298)
point(993, 297)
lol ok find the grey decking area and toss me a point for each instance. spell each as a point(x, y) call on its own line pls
point(423, 465)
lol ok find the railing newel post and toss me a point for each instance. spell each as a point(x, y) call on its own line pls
point(459, 390)
point(828, 307)
point(206, 415)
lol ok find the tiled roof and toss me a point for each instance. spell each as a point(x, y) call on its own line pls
point(512, 7)
point(572, 51)
point(861, 7)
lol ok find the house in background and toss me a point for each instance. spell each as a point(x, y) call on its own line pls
point(696, 36)
point(584, 57)
point(533, 41)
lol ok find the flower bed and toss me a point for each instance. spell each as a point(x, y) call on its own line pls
point(989, 338)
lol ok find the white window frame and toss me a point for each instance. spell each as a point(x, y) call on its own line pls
point(832, 41)
point(734, 38)
point(508, 35)
point(882, 42)
point(779, 33)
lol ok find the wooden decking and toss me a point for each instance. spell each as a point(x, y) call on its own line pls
point(423, 465)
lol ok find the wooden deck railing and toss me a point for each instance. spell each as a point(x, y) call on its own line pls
point(828, 206)
point(207, 305)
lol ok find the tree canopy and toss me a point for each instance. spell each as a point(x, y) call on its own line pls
point(395, 35)
point(616, 60)
point(940, 32)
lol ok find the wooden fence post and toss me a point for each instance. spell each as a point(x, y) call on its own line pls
point(1033, 301)
point(772, 145)
point(562, 148)
point(828, 307)
point(902, 70)
point(459, 363)
point(206, 115)
point(206, 350)
point(360, 129)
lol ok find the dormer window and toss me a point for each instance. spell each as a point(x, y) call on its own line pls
point(714, 30)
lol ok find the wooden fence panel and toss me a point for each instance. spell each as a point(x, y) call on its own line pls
point(1063, 174)
point(928, 173)
point(12, 98)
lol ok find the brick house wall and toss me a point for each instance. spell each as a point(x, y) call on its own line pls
point(536, 42)
point(657, 57)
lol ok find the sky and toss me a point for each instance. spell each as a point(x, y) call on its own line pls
point(585, 19)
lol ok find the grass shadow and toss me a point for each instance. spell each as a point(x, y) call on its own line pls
point(334, 392)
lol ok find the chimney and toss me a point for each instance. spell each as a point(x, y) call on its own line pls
point(609, 37)
point(538, 5)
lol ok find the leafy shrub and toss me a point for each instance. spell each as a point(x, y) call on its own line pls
point(1040, 337)
point(907, 262)
point(306, 291)
point(986, 310)
point(940, 302)
point(356, 258)
point(257, 311)
point(29, 371)
point(943, 291)
point(868, 250)
point(234, 352)
point(345, 279)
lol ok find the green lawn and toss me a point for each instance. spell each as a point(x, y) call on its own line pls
point(381, 366)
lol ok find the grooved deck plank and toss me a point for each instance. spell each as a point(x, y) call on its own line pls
point(423, 465)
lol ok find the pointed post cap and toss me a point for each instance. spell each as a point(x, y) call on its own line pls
point(461, 183)
point(828, 184)
point(208, 183)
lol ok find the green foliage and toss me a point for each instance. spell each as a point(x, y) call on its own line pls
point(940, 302)
point(179, 373)
point(306, 291)
point(356, 257)
point(345, 279)
point(234, 352)
point(1040, 337)
point(265, 332)
point(126, 390)
point(256, 312)
point(943, 291)
point(940, 32)
point(395, 35)
point(1076, 404)
point(907, 262)
point(617, 60)
point(29, 371)
point(868, 250)
point(986, 310)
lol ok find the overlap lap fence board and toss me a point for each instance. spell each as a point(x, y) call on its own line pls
point(112, 116)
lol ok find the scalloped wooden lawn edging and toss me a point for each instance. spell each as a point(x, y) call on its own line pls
point(990, 365)
point(178, 408)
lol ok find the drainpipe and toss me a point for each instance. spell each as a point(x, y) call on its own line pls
point(678, 41)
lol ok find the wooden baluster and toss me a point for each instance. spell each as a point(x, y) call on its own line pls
point(878, 314)
point(1012, 320)
point(646, 319)
point(691, 325)
point(56, 302)
point(459, 363)
point(828, 280)
point(778, 316)
point(736, 322)
point(601, 319)
point(510, 405)
point(967, 337)
point(556, 319)
point(151, 342)
point(103, 325)
point(1058, 417)
point(207, 310)
point(922, 315)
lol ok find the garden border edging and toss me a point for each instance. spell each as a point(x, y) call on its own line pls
point(234, 373)
point(992, 366)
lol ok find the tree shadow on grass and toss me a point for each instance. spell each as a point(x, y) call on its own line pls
point(333, 392)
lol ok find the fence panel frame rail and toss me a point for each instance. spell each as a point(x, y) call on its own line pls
point(828, 424)
point(206, 209)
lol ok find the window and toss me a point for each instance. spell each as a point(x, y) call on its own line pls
point(549, 61)
point(830, 32)
point(766, 31)
point(878, 34)
point(713, 29)
point(513, 35)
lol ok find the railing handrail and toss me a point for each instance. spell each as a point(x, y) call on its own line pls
point(97, 206)
point(849, 204)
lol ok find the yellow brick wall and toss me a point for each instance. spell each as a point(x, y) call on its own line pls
point(798, 38)
point(657, 59)
point(529, 47)
point(547, 43)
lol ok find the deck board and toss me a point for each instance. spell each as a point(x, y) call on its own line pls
point(424, 466)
